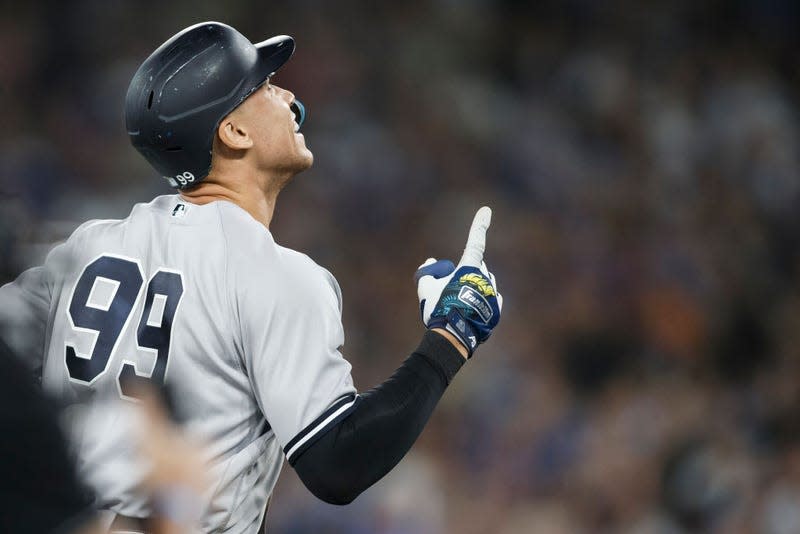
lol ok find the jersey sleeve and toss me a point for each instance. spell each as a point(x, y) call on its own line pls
point(291, 332)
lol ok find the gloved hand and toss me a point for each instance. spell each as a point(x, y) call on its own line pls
point(462, 299)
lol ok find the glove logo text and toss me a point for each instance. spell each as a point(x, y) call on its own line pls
point(474, 300)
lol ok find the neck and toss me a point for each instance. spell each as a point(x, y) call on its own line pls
point(254, 194)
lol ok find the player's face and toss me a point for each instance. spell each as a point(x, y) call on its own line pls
point(277, 145)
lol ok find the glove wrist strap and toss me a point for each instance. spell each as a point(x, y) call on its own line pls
point(460, 328)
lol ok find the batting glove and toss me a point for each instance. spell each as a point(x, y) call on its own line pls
point(462, 299)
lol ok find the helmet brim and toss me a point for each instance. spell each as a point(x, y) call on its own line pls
point(272, 54)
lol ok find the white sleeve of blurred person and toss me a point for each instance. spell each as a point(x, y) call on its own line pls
point(25, 307)
point(176, 473)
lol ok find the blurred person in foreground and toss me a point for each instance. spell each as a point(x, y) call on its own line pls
point(192, 290)
point(40, 491)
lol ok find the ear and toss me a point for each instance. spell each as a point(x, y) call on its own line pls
point(234, 134)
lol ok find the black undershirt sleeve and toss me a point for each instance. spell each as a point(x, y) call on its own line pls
point(360, 449)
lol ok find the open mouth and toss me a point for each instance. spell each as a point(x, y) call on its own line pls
point(299, 114)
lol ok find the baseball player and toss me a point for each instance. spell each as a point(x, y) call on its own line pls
point(192, 290)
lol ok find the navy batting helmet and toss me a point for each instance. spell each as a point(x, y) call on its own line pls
point(180, 94)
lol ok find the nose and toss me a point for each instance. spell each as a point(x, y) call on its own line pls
point(295, 105)
point(287, 95)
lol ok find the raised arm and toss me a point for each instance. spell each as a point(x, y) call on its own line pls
point(460, 307)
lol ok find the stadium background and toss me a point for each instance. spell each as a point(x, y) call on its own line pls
point(643, 167)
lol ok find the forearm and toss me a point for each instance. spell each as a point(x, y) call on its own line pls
point(386, 422)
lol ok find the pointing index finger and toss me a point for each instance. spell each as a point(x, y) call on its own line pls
point(476, 242)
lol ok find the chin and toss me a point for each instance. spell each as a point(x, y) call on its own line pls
point(306, 160)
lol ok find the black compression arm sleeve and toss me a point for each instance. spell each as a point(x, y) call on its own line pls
point(374, 437)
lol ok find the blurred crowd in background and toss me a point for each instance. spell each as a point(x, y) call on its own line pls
point(643, 165)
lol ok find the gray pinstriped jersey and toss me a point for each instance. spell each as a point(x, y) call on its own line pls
point(245, 332)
